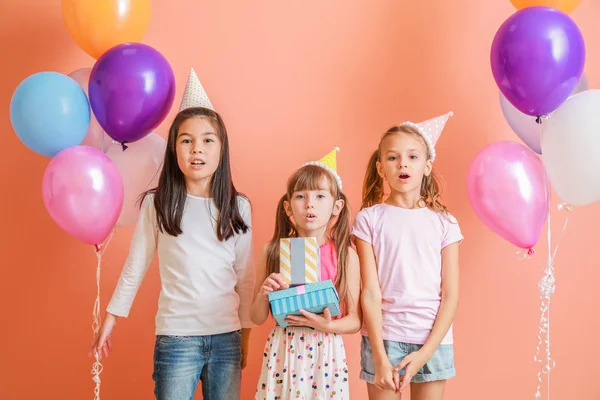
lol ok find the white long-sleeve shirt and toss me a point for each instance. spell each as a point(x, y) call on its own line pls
point(206, 285)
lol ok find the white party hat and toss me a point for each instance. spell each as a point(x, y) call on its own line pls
point(194, 94)
point(430, 130)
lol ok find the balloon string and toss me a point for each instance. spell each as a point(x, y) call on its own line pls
point(546, 287)
point(97, 366)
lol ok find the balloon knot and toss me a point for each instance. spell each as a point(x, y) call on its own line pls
point(538, 120)
point(98, 247)
point(124, 146)
point(530, 251)
point(564, 207)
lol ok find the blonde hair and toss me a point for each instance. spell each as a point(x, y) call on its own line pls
point(308, 178)
point(373, 189)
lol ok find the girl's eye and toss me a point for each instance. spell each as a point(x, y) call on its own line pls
point(413, 157)
point(321, 196)
point(299, 196)
point(186, 141)
point(208, 140)
point(392, 158)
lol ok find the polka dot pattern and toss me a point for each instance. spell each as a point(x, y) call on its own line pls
point(303, 363)
point(194, 94)
point(431, 130)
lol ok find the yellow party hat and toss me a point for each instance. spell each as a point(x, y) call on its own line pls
point(194, 94)
point(329, 162)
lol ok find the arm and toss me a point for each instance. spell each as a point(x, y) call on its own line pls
point(244, 270)
point(244, 267)
point(245, 345)
point(448, 306)
point(260, 307)
point(264, 285)
point(141, 252)
point(371, 299)
point(449, 302)
point(351, 322)
point(385, 376)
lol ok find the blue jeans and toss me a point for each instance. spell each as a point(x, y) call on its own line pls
point(439, 368)
point(181, 361)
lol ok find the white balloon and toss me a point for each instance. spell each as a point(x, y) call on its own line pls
point(571, 148)
point(525, 126)
point(140, 166)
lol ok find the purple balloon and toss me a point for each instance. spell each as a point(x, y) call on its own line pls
point(131, 90)
point(537, 58)
point(507, 188)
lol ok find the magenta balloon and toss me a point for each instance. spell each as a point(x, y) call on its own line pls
point(507, 188)
point(83, 193)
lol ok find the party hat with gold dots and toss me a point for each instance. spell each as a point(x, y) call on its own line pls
point(329, 162)
point(194, 94)
point(430, 130)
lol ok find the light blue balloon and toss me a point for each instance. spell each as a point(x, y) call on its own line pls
point(49, 112)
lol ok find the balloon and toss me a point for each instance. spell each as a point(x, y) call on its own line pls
point(83, 193)
point(571, 146)
point(98, 25)
point(49, 112)
point(140, 167)
point(95, 136)
point(506, 185)
point(565, 6)
point(537, 58)
point(132, 88)
point(525, 126)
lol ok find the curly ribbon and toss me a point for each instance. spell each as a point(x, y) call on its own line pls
point(97, 366)
point(546, 288)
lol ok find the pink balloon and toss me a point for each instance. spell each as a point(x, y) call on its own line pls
point(506, 185)
point(140, 166)
point(83, 193)
point(95, 137)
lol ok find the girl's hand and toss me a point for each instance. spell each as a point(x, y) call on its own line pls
point(413, 363)
point(321, 322)
point(102, 343)
point(386, 377)
point(272, 283)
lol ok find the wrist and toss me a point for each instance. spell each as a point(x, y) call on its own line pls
point(111, 317)
point(427, 350)
point(264, 296)
point(380, 360)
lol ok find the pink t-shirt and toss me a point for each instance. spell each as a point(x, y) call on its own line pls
point(407, 244)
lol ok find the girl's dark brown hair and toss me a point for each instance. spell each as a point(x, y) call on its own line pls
point(308, 178)
point(170, 194)
point(373, 189)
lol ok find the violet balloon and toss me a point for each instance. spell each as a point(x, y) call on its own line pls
point(507, 188)
point(83, 193)
point(537, 58)
point(131, 91)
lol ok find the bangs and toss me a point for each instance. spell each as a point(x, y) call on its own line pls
point(310, 177)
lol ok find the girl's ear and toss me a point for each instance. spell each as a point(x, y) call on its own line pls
point(428, 167)
point(338, 206)
point(288, 208)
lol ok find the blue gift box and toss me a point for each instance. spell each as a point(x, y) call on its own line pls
point(312, 297)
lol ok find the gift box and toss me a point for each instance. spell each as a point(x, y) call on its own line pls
point(312, 297)
point(299, 260)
